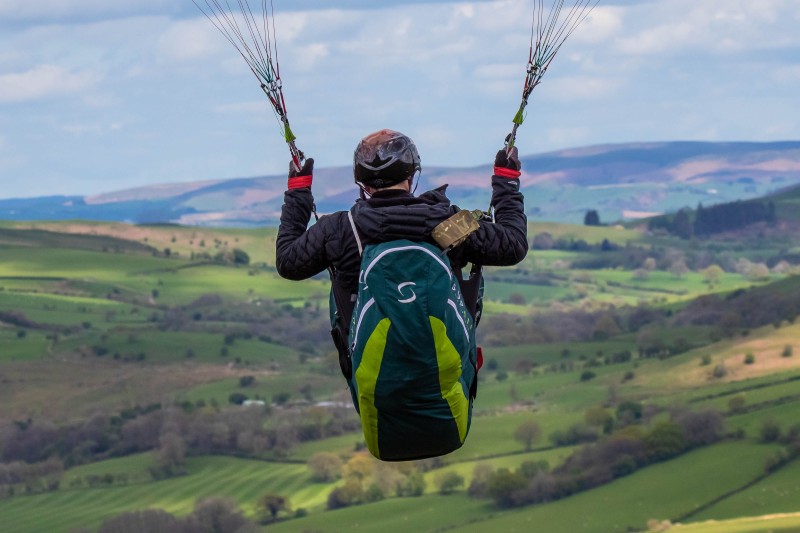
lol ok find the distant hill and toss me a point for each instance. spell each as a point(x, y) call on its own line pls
point(620, 181)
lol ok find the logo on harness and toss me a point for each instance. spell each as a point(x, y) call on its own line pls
point(400, 290)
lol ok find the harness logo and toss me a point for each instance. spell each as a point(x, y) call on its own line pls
point(413, 294)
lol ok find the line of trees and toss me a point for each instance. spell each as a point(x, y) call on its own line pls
point(620, 453)
point(172, 433)
point(367, 480)
point(212, 514)
point(724, 315)
point(719, 218)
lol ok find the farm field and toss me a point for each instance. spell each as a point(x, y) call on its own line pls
point(149, 356)
point(781, 523)
point(618, 512)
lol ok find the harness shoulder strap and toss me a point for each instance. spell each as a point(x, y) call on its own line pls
point(355, 232)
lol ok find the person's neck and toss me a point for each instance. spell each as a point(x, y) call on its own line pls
point(404, 186)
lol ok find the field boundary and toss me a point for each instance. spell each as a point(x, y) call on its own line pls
point(734, 492)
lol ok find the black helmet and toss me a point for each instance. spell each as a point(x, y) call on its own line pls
point(385, 158)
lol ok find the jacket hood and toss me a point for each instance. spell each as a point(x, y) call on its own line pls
point(393, 215)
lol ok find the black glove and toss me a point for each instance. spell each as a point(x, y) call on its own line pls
point(508, 160)
point(306, 170)
point(303, 177)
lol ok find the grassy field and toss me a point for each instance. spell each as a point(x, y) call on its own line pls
point(668, 490)
point(774, 495)
point(98, 317)
point(244, 481)
point(780, 523)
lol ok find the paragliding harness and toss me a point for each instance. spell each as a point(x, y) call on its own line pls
point(406, 343)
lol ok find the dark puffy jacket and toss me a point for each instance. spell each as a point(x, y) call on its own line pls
point(303, 251)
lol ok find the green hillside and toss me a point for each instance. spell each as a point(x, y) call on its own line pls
point(126, 351)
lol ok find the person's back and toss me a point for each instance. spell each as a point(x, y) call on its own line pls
point(385, 164)
point(388, 211)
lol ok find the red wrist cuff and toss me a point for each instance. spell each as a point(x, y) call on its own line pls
point(504, 172)
point(300, 181)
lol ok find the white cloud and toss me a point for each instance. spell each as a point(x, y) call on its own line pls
point(59, 10)
point(190, 40)
point(711, 26)
point(602, 24)
point(571, 88)
point(635, 70)
point(44, 81)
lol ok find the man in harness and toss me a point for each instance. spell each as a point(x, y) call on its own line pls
point(385, 164)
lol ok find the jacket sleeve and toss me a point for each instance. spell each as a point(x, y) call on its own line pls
point(503, 242)
point(300, 250)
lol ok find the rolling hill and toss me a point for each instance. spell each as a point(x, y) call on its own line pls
point(125, 349)
point(622, 181)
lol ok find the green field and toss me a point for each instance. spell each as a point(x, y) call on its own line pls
point(242, 480)
point(98, 319)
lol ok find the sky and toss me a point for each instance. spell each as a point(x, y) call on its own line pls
point(98, 96)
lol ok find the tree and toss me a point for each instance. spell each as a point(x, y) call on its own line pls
point(598, 417)
point(605, 327)
point(237, 398)
point(218, 515)
point(281, 398)
point(359, 467)
point(516, 298)
point(481, 477)
point(449, 482)
point(737, 403)
point(412, 486)
point(758, 272)
point(592, 218)
point(273, 504)
point(682, 224)
point(325, 467)
point(770, 431)
point(531, 469)
point(527, 433)
point(346, 495)
point(712, 274)
point(171, 452)
point(542, 241)
point(678, 269)
point(701, 428)
point(240, 257)
point(629, 412)
point(665, 440)
point(506, 488)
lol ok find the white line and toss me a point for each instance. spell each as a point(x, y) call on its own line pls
point(458, 315)
point(402, 249)
point(360, 318)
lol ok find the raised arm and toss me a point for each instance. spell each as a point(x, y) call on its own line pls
point(503, 242)
point(300, 250)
